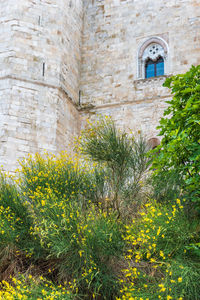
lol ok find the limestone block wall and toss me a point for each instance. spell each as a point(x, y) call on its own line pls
point(34, 118)
point(46, 40)
point(71, 46)
point(113, 33)
point(6, 23)
point(55, 53)
point(40, 52)
point(139, 115)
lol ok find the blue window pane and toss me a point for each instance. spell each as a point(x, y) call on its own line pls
point(150, 70)
point(160, 69)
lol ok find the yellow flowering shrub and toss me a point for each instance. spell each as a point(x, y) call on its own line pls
point(32, 288)
point(67, 230)
point(156, 254)
point(16, 242)
point(74, 231)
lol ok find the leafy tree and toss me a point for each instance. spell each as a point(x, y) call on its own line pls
point(179, 150)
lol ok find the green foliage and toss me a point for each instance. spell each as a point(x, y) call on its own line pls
point(102, 248)
point(32, 288)
point(56, 236)
point(81, 246)
point(12, 211)
point(167, 186)
point(62, 176)
point(64, 233)
point(180, 147)
point(122, 157)
point(159, 264)
point(16, 242)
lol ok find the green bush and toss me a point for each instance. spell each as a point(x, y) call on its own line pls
point(103, 247)
point(179, 150)
point(17, 244)
point(123, 158)
point(158, 262)
point(84, 229)
point(166, 186)
point(81, 241)
point(80, 246)
point(32, 288)
point(62, 176)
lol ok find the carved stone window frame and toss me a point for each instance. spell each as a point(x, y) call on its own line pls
point(143, 55)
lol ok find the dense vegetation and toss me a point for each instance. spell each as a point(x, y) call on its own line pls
point(180, 146)
point(115, 221)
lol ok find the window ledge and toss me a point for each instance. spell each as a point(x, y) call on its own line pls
point(152, 79)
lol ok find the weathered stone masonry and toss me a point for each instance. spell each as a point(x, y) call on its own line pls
point(114, 32)
point(62, 61)
point(39, 76)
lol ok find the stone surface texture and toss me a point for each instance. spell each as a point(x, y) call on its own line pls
point(40, 56)
point(62, 61)
point(114, 31)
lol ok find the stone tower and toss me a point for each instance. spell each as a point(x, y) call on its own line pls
point(62, 61)
point(40, 55)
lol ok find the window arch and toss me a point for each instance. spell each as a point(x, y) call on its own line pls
point(153, 143)
point(153, 58)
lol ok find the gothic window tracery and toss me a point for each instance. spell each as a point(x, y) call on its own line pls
point(153, 58)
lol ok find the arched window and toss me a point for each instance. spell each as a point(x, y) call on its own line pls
point(153, 58)
point(154, 68)
point(153, 143)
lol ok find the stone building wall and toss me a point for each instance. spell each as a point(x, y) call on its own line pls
point(36, 118)
point(141, 114)
point(114, 31)
point(40, 53)
point(57, 53)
